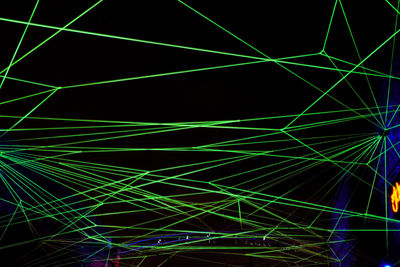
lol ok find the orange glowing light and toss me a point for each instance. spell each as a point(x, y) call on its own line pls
point(395, 197)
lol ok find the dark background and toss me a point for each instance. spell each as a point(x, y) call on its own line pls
point(276, 28)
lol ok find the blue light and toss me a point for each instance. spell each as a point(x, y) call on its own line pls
point(387, 265)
